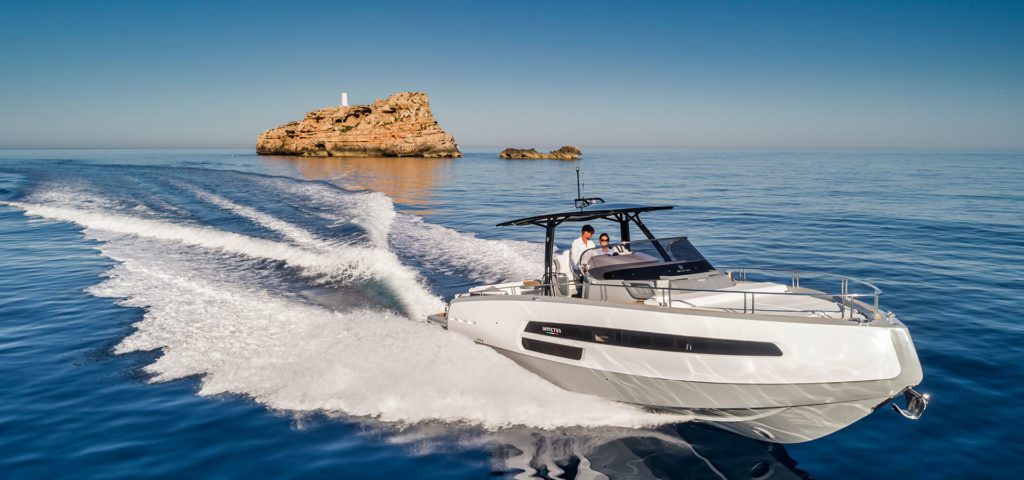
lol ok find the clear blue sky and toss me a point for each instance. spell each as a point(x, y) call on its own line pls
point(814, 74)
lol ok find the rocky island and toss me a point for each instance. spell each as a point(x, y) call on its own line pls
point(567, 152)
point(398, 126)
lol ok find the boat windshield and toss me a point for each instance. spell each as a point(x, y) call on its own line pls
point(643, 259)
point(679, 249)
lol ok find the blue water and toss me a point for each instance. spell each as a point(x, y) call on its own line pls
point(220, 314)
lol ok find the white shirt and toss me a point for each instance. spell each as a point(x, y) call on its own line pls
point(577, 251)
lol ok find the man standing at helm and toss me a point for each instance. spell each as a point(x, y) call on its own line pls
point(579, 246)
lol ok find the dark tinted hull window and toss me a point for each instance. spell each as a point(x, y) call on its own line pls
point(548, 348)
point(654, 341)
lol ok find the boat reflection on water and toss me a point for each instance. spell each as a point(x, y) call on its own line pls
point(680, 451)
point(687, 450)
point(407, 180)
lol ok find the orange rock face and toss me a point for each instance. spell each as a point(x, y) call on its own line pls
point(398, 126)
point(567, 152)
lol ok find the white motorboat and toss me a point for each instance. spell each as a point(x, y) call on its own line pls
point(655, 324)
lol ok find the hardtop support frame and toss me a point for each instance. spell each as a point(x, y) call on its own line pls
point(623, 219)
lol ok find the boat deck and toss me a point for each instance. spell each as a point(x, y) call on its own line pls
point(762, 297)
point(741, 297)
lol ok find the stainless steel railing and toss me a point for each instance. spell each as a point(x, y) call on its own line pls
point(849, 303)
point(848, 300)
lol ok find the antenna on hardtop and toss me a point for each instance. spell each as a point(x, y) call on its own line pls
point(580, 201)
point(579, 188)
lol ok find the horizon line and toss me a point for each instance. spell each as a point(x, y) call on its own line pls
point(489, 148)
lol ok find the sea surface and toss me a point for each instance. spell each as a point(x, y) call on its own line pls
point(218, 314)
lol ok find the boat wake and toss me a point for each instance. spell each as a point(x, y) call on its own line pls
point(443, 250)
point(223, 280)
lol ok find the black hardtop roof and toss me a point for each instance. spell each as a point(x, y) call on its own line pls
point(591, 212)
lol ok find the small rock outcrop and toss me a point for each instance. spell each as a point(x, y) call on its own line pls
point(567, 152)
point(398, 126)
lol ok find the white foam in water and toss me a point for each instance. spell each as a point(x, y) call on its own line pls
point(444, 250)
point(374, 212)
point(295, 233)
point(353, 263)
point(86, 197)
point(80, 196)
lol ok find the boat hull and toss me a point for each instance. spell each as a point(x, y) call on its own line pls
point(829, 375)
point(800, 420)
